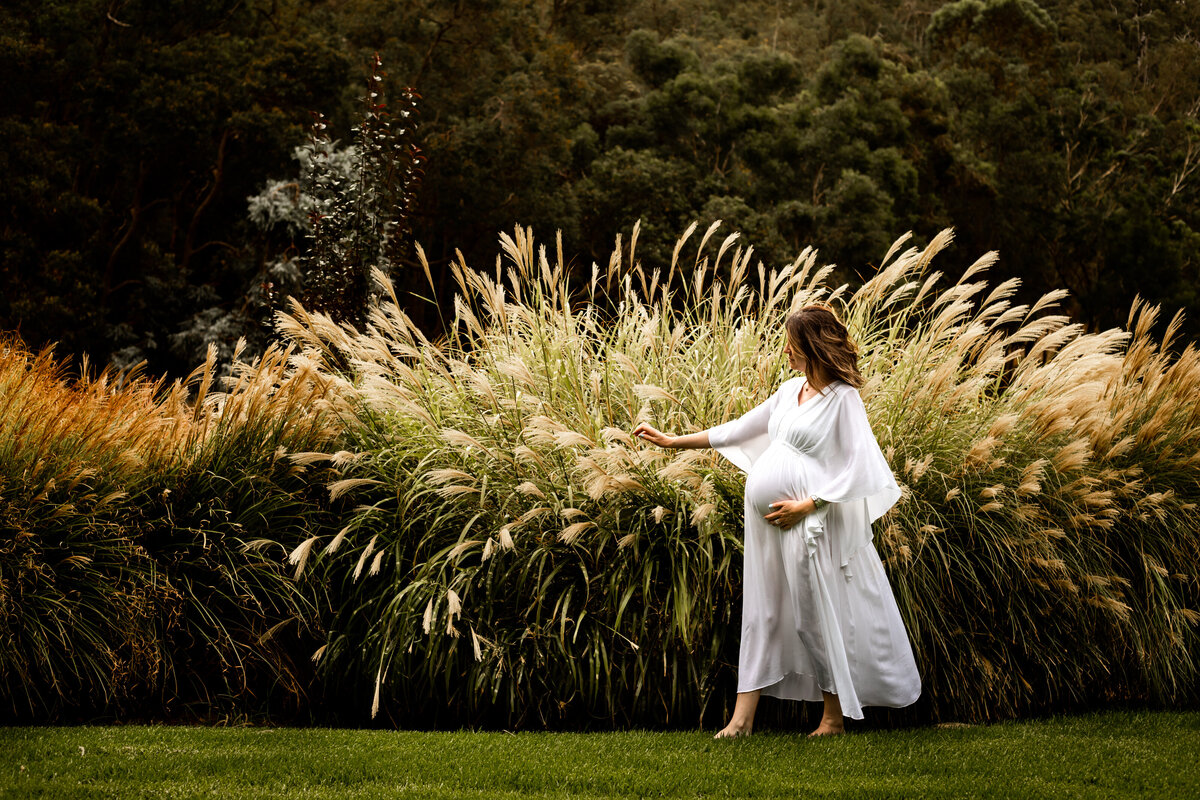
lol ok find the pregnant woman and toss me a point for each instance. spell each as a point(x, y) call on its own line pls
point(819, 621)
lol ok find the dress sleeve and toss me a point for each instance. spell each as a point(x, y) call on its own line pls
point(744, 439)
point(853, 466)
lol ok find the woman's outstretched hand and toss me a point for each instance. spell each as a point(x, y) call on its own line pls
point(652, 435)
point(789, 512)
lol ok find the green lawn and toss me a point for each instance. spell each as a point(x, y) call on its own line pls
point(1116, 754)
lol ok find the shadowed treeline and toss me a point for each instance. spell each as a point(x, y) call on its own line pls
point(1061, 133)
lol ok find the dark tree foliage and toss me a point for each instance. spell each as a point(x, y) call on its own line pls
point(1063, 133)
point(133, 131)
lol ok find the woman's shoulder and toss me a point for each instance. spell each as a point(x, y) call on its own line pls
point(844, 390)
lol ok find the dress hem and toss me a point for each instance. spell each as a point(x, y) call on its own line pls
point(784, 677)
point(765, 687)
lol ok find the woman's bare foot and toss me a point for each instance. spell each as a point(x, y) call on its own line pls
point(734, 730)
point(827, 728)
point(831, 718)
point(742, 721)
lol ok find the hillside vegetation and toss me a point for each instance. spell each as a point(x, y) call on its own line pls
point(1061, 133)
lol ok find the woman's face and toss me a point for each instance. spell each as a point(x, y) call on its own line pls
point(795, 360)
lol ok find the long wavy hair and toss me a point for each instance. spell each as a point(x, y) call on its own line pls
point(818, 335)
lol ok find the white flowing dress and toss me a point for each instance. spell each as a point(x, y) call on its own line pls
point(817, 610)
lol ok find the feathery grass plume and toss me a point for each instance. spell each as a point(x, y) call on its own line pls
point(1046, 472)
point(132, 569)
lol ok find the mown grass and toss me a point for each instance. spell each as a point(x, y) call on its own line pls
point(1113, 754)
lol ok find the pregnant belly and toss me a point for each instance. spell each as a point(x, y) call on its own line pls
point(776, 475)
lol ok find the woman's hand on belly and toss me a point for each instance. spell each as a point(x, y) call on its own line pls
point(787, 513)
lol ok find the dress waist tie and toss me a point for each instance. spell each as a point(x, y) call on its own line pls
point(814, 529)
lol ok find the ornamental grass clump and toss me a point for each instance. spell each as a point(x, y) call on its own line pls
point(513, 549)
point(1044, 552)
point(130, 575)
point(516, 557)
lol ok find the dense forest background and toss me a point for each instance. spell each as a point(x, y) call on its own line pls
point(137, 132)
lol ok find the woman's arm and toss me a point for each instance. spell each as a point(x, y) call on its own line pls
point(748, 430)
point(691, 441)
point(789, 512)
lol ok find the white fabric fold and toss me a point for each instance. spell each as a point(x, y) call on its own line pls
point(743, 440)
